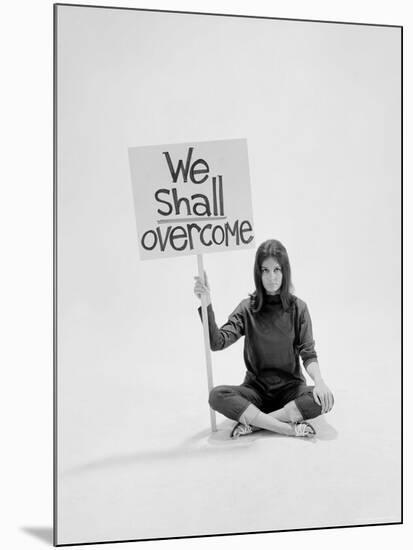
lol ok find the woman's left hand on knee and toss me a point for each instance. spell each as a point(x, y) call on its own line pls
point(323, 397)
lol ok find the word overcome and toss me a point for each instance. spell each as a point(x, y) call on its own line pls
point(180, 236)
point(202, 209)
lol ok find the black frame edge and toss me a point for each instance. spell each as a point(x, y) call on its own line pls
point(238, 534)
point(402, 278)
point(55, 10)
point(226, 15)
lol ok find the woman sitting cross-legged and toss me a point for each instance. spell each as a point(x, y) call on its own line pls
point(277, 331)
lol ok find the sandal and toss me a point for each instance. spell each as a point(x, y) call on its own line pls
point(304, 429)
point(242, 429)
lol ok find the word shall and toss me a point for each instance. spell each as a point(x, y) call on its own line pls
point(182, 237)
point(197, 204)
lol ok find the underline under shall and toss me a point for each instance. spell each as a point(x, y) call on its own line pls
point(196, 219)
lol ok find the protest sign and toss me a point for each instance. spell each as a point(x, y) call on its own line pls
point(192, 198)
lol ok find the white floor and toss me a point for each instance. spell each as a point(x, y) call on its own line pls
point(209, 484)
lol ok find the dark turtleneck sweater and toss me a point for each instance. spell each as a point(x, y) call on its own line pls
point(274, 340)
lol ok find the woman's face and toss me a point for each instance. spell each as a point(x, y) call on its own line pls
point(271, 275)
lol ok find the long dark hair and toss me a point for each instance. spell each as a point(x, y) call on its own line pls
point(277, 250)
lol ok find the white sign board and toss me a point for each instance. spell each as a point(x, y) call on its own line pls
point(192, 198)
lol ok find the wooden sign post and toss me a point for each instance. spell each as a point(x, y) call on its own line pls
point(190, 199)
point(201, 273)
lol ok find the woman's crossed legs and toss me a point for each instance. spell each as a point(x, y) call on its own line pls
point(278, 412)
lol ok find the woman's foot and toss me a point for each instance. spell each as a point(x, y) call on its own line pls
point(299, 429)
point(304, 429)
point(243, 429)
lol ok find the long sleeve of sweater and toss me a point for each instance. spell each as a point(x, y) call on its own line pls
point(306, 344)
point(228, 333)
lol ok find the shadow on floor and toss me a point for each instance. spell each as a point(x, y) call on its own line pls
point(200, 444)
point(325, 432)
point(43, 533)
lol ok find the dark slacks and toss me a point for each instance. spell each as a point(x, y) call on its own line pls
point(231, 401)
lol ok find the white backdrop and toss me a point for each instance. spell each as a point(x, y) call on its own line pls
point(319, 105)
point(27, 283)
